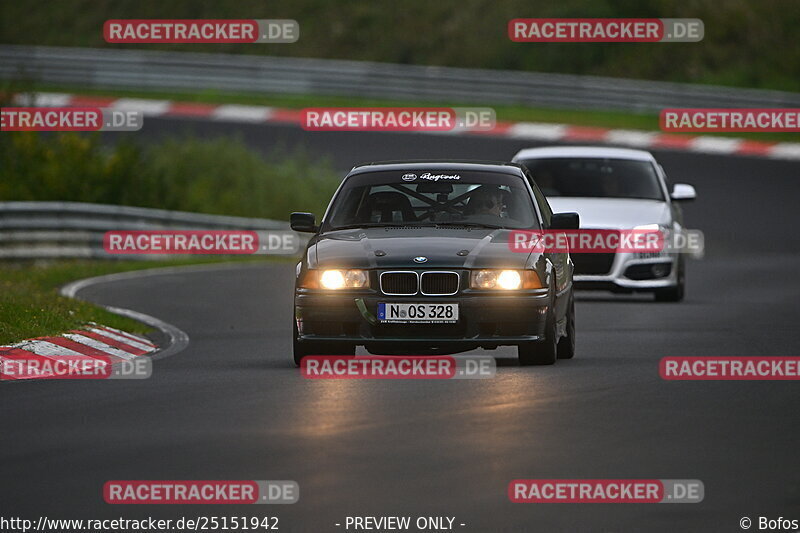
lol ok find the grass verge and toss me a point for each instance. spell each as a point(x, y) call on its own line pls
point(745, 43)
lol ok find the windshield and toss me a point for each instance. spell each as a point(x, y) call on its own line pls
point(596, 178)
point(439, 198)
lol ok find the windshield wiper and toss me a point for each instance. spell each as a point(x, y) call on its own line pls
point(418, 225)
point(383, 225)
point(470, 225)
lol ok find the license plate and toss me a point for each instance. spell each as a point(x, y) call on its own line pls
point(418, 313)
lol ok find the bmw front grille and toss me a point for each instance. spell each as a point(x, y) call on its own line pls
point(428, 283)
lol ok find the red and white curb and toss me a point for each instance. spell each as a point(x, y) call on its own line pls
point(95, 344)
point(533, 131)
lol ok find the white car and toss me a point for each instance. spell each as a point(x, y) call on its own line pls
point(615, 188)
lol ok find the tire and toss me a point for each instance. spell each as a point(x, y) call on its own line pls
point(566, 345)
point(298, 352)
point(299, 349)
point(542, 352)
point(302, 349)
point(676, 293)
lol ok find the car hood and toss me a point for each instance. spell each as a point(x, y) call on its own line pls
point(613, 213)
point(397, 248)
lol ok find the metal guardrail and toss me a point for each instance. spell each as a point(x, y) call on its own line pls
point(39, 230)
point(153, 70)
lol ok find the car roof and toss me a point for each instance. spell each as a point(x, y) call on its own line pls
point(437, 165)
point(583, 151)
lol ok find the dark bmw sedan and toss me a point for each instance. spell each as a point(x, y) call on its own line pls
point(414, 258)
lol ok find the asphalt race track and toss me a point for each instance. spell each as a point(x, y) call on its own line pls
point(231, 406)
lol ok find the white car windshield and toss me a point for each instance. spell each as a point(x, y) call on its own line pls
point(596, 178)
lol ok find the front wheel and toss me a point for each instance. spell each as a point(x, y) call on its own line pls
point(542, 352)
point(302, 349)
point(566, 346)
point(675, 293)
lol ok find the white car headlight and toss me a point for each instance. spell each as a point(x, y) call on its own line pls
point(664, 238)
point(649, 227)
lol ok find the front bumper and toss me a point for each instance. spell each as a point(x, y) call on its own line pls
point(485, 320)
point(631, 272)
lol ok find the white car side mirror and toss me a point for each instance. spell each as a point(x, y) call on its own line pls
point(682, 192)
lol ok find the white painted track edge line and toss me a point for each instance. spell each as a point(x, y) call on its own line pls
point(178, 339)
point(119, 338)
point(71, 289)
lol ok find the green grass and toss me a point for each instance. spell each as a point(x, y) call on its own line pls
point(220, 176)
point(746, 43)
point(513, 113)
point(217, 176)
point(30, 305)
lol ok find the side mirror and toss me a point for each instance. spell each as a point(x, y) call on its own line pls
point(303, 222)
point(565, 221)
point(682, 192)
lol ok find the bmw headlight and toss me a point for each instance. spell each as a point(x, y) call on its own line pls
point(336, 279)
point(332, 279)
point(504, 280)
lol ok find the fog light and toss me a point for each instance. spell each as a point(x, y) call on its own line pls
point(659, 271)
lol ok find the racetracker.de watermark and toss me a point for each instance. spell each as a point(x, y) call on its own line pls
point(187, 31)
point(397, 367)
point(605, 30)
point(598, 241)
point(207, 492)
point(21, 365)
point(730, 120)
point(731, 368)
point(430, 119)
point(606, 491)
point(228, 242)
point(69, 119)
